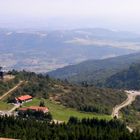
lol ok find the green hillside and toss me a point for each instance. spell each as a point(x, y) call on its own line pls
point(62, 113)
point(83, 98)
point(91, 99)
point(126, 79)
point(95, 71)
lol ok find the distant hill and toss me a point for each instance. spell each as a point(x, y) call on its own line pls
point(126, 79)
point(43, 51)
point(95, 71)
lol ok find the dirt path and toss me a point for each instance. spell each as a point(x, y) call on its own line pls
point(8, 113)
point(11, 90)
point(14, 108)
point(131, 95)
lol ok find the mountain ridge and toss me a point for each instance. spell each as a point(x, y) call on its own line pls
point(95, 70)
point(126, 79)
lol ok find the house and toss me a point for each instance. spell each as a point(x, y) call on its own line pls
point(23, 99)
point(34, 108)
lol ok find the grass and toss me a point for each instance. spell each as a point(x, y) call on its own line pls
point(5, 106)
point(62, 113)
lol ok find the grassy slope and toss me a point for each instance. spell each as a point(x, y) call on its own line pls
point(5, 106)
point(62, 113)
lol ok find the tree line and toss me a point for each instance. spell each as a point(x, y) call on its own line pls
point(85, 129)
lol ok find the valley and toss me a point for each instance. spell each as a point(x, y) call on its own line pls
point(67, 73)
point(68, 102)
point(69, 70)
point(44, 51)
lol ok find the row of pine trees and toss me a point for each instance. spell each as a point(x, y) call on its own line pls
point(85, 129)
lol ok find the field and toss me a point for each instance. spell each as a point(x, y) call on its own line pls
point(5, 106)
point(62, 113)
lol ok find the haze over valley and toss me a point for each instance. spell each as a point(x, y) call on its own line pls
point(70, 68)
point(43, 51)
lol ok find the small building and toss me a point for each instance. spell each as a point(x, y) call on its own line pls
point(35, 109)
point(23, 99)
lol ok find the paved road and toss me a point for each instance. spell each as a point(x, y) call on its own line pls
point(11, 90)
point(131, 95)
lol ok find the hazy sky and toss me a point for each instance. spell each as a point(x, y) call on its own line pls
point(114, 14)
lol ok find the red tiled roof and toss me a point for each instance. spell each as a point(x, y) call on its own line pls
point(36, 108)
point(24, 97)
point(23, 109)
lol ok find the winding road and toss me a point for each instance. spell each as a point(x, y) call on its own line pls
point(131, 95)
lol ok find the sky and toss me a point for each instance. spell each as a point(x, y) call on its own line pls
point(112, 14)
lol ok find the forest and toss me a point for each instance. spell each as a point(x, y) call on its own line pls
point(126, 79)
point(96, 71)
point(85, 129)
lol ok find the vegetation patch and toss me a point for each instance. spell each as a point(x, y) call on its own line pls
point(131, 114)
point(5, 86)
point(92, 99)
point(62, 113)
point(86, 98)
point(5, 106)
point(85, 129)
point(126, 79)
